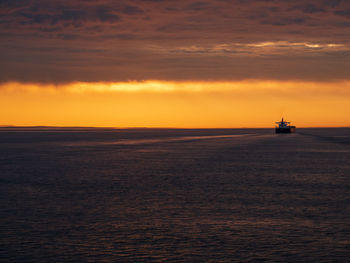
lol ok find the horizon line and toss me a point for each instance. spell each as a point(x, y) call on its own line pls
point(144, 127)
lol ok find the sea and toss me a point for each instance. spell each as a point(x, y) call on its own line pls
point(174, 195)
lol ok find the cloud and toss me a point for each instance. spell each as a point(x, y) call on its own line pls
point(332, 3)
point(198, 6)
point(284, 21)
point(67, 16)
point(192, 39)
point(263, 49)
point(56, 12)
point(309, 8)
point(132, 10)
point(344, 13)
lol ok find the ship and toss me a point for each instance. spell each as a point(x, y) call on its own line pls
point(284, 127)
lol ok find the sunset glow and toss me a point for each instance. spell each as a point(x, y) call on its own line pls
point(176, 104)
point(174, 63)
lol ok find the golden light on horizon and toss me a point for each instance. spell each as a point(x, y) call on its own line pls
point(234, 104)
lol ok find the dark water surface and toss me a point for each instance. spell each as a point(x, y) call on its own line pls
point(162, 195)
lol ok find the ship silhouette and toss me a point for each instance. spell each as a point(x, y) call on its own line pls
point(284, 127)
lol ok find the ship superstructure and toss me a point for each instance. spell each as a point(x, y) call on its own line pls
point(284, 127)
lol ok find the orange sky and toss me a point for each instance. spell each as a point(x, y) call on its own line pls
point(176, 104)
point(184, 63)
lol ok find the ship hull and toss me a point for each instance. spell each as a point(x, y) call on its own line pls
point(286, 130)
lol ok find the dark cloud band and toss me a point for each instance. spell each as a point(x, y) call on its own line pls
point(60, 41)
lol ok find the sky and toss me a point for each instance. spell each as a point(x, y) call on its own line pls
point(174, 63)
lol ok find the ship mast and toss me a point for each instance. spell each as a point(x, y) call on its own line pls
point(282, 123)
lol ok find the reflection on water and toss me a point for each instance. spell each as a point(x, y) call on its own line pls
point(175, 195)
point(157, 140)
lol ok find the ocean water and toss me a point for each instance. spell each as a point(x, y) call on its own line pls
point(174, 195)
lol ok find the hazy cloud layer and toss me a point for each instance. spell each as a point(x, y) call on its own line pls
point(105, 40)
